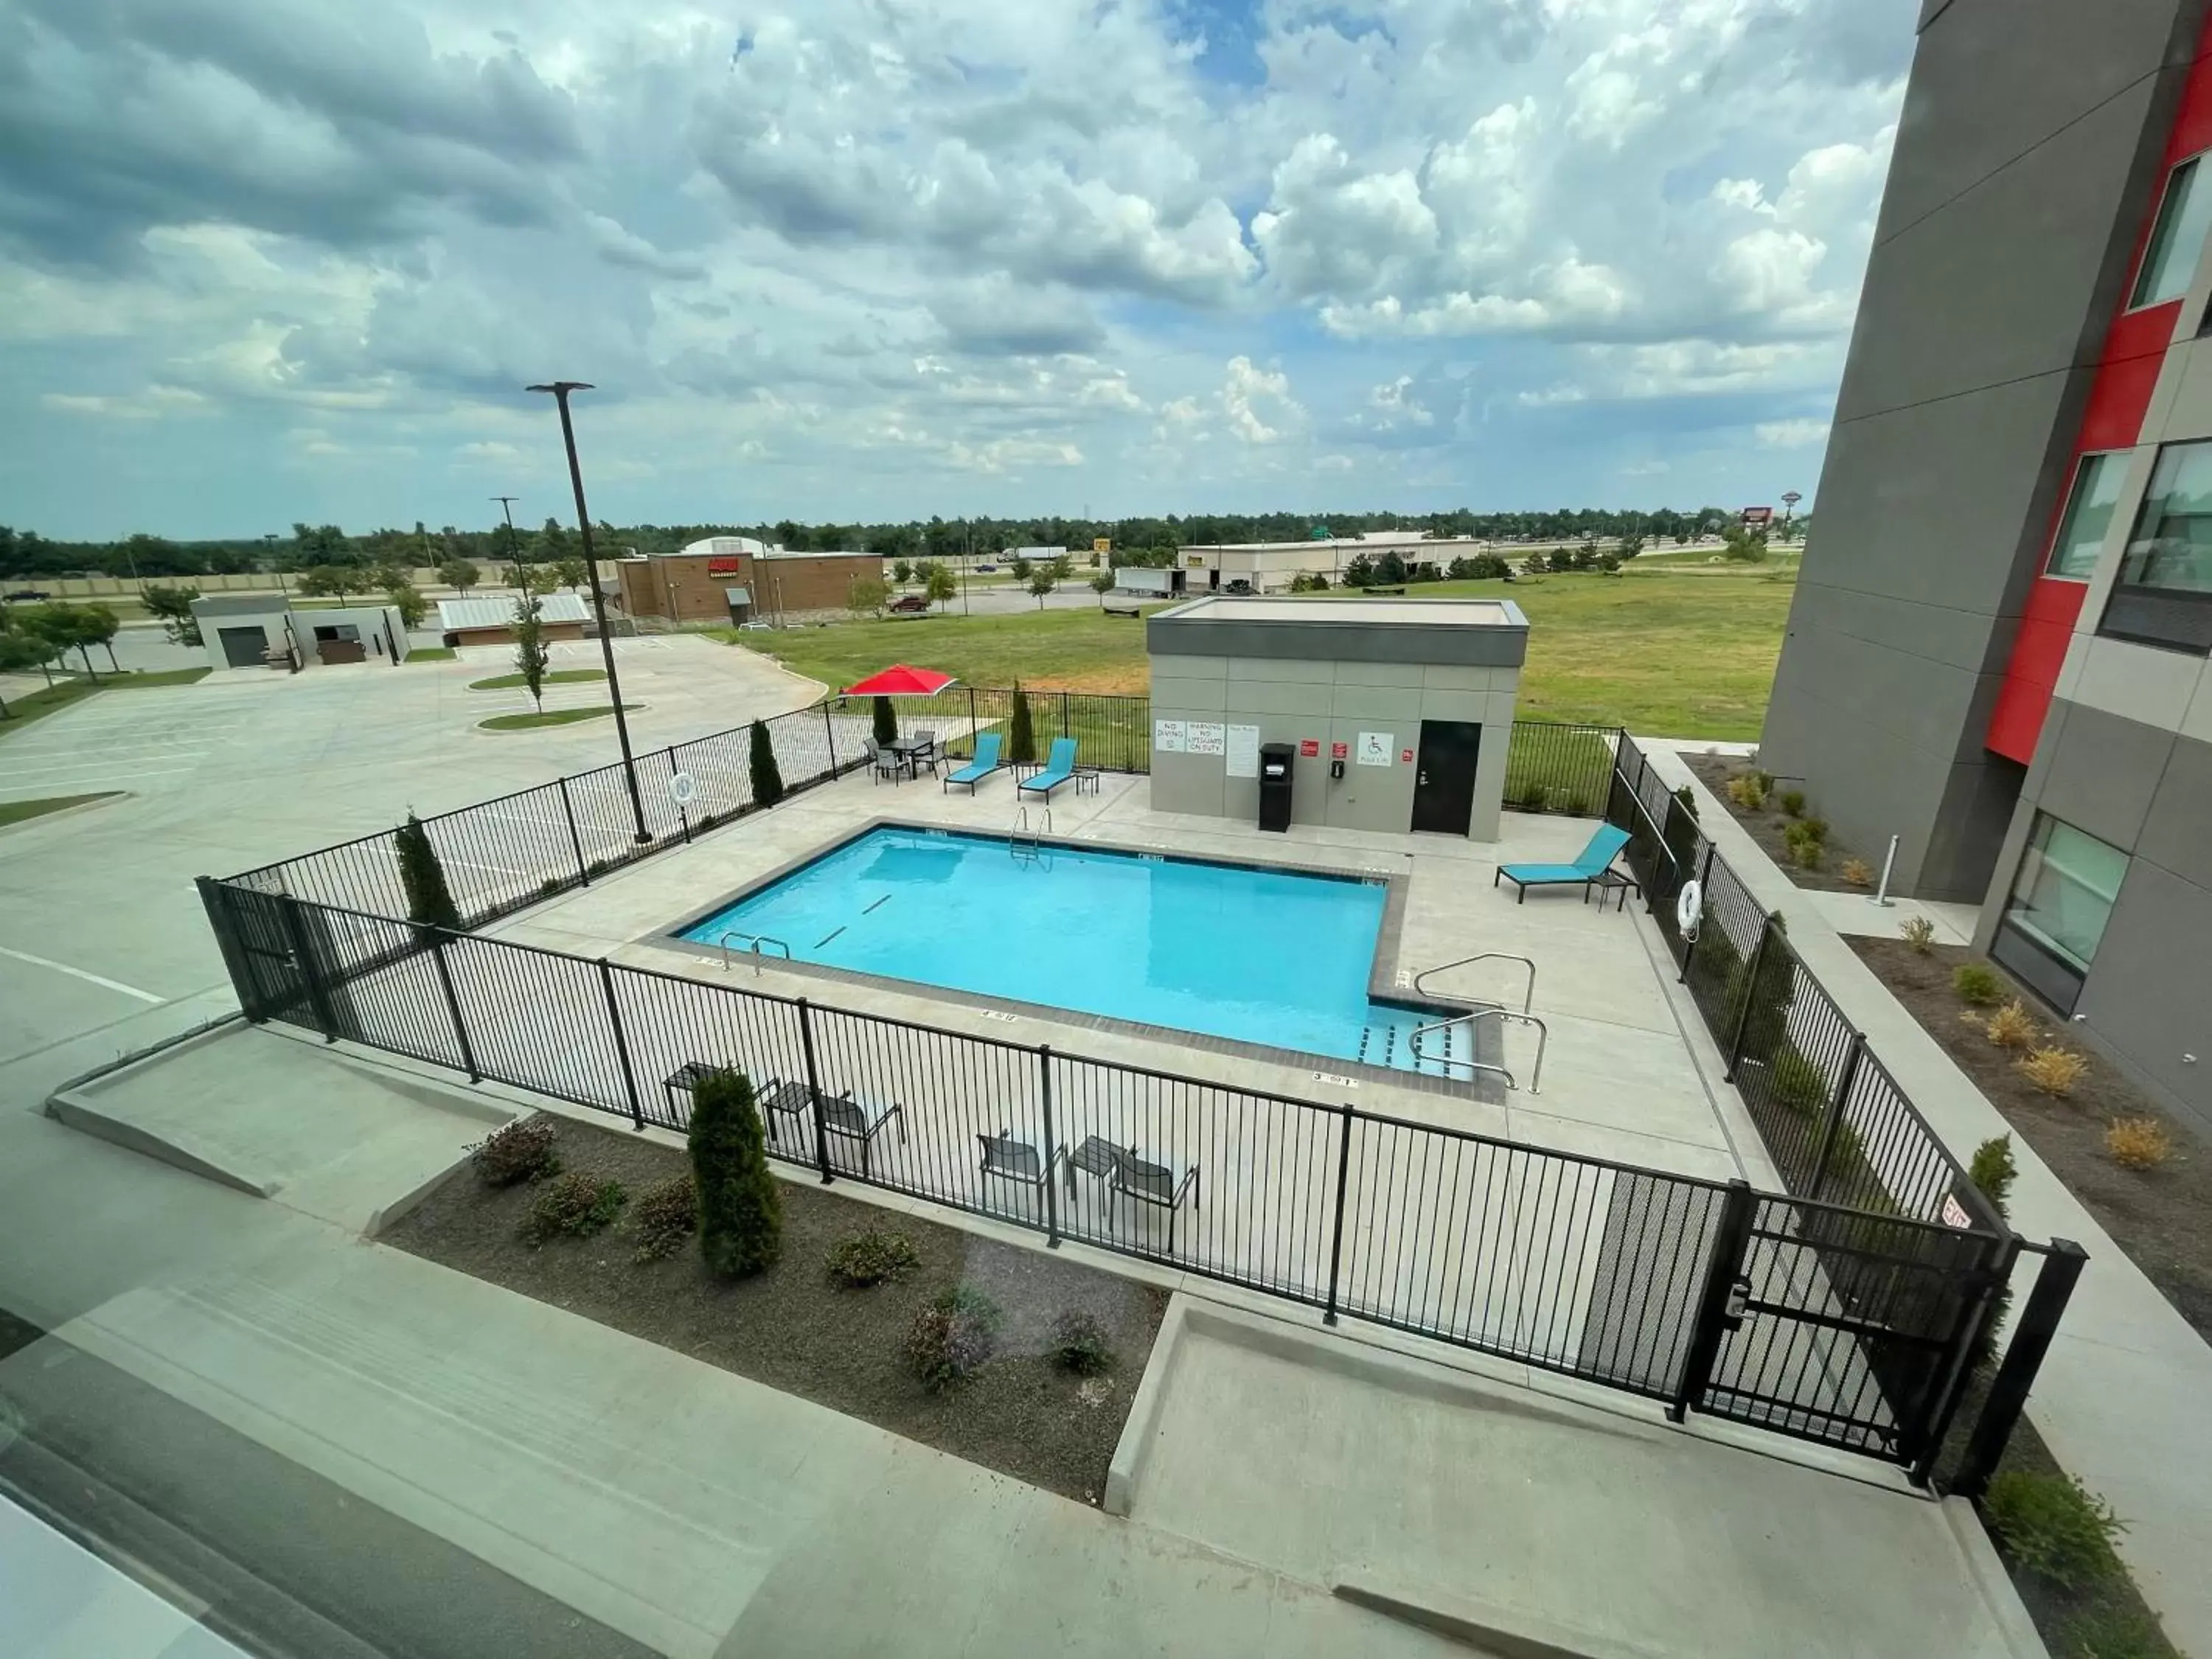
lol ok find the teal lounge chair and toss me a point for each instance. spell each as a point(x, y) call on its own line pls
point(1585, 872)
point(1059, 767)
point(985, 764)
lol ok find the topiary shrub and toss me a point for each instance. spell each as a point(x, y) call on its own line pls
point(666, 1216)
point(1992, 1171)
point(768, 778)
point(1976, 983)
point(872, 1258)
point(422, 877)
point(740, 1208)
point(952, 1338)
point(516, 1152)
point(1688, 797)
point(2054, 1528)
point(576, 1205)
point(884, 720)
point(1021, 731)
point(1078, 1343)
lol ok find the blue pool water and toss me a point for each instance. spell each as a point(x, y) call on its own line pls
point(1259, 956)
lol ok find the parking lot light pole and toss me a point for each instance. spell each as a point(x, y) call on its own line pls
point(560, 391)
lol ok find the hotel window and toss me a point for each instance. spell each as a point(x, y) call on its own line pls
point(2164, 593)
point(2088, 514)
point(2177, 238)
point(2061, 900)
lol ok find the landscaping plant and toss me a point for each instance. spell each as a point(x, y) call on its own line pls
point(516, 1152)
point(664, 1216)
point(1747, 792)
point(2055, 1071)
point(952, 1337)
point(2137, 1143)
point(884, 720)
point(1858, 873)
point(872, 1258)
point(1021, 733)
point(2011, 1026)
point(1793, 802)
point(1977, 982)
point(576, 1205)
point(1992, 1171)
point(1688, 797)
point(2054, 1528)
point(768, 782)
point(422, 877)
point(1078, 1343)
point(740, 1210)
point(531, 651)
point(1795, 1081)
point(1920, 935)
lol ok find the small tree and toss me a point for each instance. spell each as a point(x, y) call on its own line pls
point(1101, 584)
point(460, 574)
point(1041, 584)
point(331, 581)
point(1063, 566)
point(1021, 568)
point(407, 600)
point(173, 606)
point(530, 651)
point(902, 571)
point(422, 877)
point(768, 780)
point(21, 651)
point(884, 719)
point(740, 1211)
point(867, 596)
point(1021, 734)
point(1390, 570)
point(940, 585)
point(96, 626)
point(1360, 572)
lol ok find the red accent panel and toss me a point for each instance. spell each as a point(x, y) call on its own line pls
point(2117, 399)
point(2038, 652)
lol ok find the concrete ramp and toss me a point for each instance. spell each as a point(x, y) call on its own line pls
point(283, 1118)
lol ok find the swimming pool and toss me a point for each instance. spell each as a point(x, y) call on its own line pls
point(1232, 950)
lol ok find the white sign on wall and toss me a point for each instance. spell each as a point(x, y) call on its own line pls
point(1244, 752)
point(1205, 737)
point(1167, 737)
point(1375, 749)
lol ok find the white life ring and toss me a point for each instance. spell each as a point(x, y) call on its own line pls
point(682, 789)
point(1688, 904)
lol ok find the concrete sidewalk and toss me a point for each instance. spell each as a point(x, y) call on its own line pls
point(2121, 1399)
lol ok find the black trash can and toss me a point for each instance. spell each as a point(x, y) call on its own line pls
point(1275, 784)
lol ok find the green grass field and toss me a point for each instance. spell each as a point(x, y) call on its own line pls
point(17, 811)
point(33, 706)
point(550, 717)
point(558, 677)
point(429, 653)
point(1671, 653)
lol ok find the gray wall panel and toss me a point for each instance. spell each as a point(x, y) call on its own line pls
point(2177, 830)
point(2102, 773)
point(2144, 999)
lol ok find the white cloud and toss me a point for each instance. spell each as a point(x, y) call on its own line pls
point(1251, 397)
point(1791, 433)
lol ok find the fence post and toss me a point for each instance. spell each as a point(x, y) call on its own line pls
point(1336, 1228)
point(568, 807)
point(453, 1004)
point(2009, 1390)
point(1705, 880)
point(622, 1045)
point(1051, 1195)
point(1719, 1310)
point(1066, 731)
point(814, 1088)
point(830, 731)
point(973, 730)
point(1856, 1053)
point(304, 958)
point(1750, 996)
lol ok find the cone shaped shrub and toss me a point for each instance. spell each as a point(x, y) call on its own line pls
point(740, 1209)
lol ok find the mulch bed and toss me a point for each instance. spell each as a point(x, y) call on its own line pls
point(1767, 825)
point(2162, 1217)
point(793, 1328)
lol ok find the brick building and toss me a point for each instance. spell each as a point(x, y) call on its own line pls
point(736, 578)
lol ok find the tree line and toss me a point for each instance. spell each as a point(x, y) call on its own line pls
point(24, 554)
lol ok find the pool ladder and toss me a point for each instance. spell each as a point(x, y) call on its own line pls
point(1023, 831)
point(1528, 993)
point(756, 950)
point(1473, 1066)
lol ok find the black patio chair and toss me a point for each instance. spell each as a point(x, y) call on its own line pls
point(1154, 1184)
point(691, 1073)
point(1009, 1159)
point(851, 1120)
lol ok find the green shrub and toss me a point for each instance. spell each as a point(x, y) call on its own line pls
point(1766, 781)
point(2054, 1528)
point(422, 877)
point(1993, 1171)
point(1021, 730)
point(1792, 802)
point(740, 1209)
point(1794, 1081)
point(768, 777)
point(1976, 983)
point(885, 721)
point(1688, 797)
point(1078, 1344)
point(666, 1216)
point(872, 1258)
point(2108, 1632)
point(516, 1152)
point(1815, 829)
point(1918, 933)
point(1766, 1024)
point(576, 1205)
point(952, 1337)
point(1807, 855)
point(1575, 807)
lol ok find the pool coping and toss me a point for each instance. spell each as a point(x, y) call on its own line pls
point(1381, 985)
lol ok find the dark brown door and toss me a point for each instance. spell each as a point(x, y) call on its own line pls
point(1444, 785)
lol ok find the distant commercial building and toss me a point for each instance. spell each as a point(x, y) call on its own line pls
point(1271, 566)
point(1997, 648)
point(262, 630)
point(491, 621)
point(736, 579)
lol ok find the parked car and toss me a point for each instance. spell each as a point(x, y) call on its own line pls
point(910, 604)
point(30, 596)
point(1237, 585)
point(986, 570)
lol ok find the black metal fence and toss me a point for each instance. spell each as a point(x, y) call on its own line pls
point(1112, 733)
point(1710, 1297)
point(1553, 767)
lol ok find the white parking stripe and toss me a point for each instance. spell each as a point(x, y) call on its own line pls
point(79, 973)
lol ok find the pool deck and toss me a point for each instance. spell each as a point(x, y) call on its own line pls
point(1628, 1074)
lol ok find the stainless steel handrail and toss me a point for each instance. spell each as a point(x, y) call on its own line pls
point(754, 950)
point(1543, 1040)
point(1528, 996)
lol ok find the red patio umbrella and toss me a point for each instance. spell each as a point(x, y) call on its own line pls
point(900, 681)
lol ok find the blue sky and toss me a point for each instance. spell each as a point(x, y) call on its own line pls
point(268, 261)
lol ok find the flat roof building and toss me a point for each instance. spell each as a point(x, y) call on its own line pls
point(262, 630)
point(736, 578)
point(491, 620)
